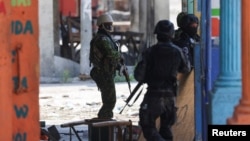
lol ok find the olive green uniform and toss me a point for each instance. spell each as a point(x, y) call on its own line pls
point(105, 58)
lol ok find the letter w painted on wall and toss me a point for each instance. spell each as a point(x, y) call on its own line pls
point(21, 112)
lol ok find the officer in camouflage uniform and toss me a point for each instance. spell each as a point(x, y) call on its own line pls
point(163, 61)
point(105, 57)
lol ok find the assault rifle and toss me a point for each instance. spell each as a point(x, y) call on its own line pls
point(124, 71)
point(132, 95)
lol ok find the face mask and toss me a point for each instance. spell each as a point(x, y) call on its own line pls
point(192, 31)
point(108, 27)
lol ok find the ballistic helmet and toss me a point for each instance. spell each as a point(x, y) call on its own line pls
point(164, 28)
point(189, 24)
point(105, 18)
point(178, 19)
point(188, 19)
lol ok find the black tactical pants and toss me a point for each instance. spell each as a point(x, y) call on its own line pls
point(153, 106)
point(105, 82)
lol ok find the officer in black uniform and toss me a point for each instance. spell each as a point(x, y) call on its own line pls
point(187, 36)
point(164, 61)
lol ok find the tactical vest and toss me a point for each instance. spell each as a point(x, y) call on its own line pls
point(95, 55)
point(164, 61)
point(97, 58)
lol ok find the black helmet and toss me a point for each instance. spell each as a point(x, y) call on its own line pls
point(189, 24)
point(164, 28)
point(188, 19)
point(179, 16)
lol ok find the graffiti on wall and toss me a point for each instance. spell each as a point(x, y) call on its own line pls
point(23, 43)
point(17, 27)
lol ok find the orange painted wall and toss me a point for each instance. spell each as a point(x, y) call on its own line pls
point(6, 111)
point(19, 66)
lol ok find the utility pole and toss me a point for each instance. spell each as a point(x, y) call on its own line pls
point(150, 23)
point(134, 9)
point(86, 35)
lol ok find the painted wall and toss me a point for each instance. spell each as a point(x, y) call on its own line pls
point(20, 86)
point(46, 38)
point(6, 109)
point(215, 31)
point(215, 19)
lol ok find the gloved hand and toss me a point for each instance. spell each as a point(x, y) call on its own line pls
point(122, 68)
point(185, 50)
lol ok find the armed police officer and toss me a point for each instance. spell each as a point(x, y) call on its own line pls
point(163, 61)
point(187, 34)
point(105, 58)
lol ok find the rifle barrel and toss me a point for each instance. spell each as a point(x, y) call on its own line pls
point(131, 95)
point(123, 108)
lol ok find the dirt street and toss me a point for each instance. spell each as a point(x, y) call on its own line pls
point(79, 100)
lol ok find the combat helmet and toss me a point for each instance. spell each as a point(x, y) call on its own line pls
point(105, 18)
point(105, 21)
point(189, 24)
point(187, 19)
point(164, 28)
point(179, 17)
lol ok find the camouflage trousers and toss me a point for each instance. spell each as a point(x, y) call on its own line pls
point(155, 106)
point(105, 83)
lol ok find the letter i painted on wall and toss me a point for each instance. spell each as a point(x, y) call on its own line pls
point(17, 27)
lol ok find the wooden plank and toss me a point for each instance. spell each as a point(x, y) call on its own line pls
point(184, 126)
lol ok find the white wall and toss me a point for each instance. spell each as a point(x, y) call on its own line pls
point(175, 9)
point(46, 38)
point(52, 67)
